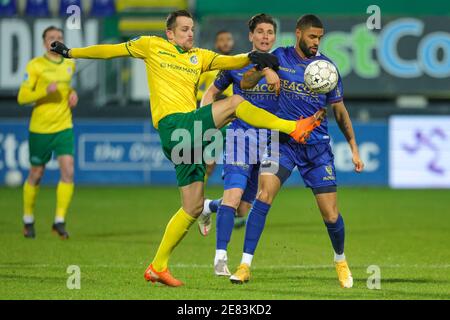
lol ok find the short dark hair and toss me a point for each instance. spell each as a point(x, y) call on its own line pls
point(172, 18)
point(218, 33)
point(51, 28)
point(309, 20)
point(261, 18)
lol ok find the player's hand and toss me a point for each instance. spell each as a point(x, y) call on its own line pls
point(60, 48)
point(359, 164)
point(52, 87)
point(264, 60)
point(73, 99)
point(273, 79)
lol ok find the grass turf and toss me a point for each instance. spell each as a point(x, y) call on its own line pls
point(115, 233)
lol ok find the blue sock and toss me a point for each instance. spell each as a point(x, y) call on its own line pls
point(214, 205)
point(224, 226)
point(255, 225)
point(336, 231)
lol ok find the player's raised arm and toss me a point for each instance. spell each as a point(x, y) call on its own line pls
point(260, 59)
point(101, 51)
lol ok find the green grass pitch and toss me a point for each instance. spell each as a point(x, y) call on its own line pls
point(115, 233)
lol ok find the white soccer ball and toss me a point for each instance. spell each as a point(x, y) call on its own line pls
point(321, 76)
point(13, 178)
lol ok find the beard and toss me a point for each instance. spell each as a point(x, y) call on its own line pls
point(305, 49)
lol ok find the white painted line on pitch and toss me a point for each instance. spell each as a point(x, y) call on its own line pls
point(207, 266)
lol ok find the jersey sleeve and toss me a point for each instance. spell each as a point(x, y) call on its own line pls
point(337, 94)
point(28, 93)
point(223, 80)
point(139, 47)
point(208, 58)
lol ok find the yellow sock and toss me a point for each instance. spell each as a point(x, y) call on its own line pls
point(261, 118)
point(64, 193)
point(29, 198)
point(176, 229)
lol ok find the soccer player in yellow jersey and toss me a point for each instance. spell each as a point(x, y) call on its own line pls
point(173, 69)
point(47, 86)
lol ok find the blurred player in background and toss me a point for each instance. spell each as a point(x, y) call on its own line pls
point(224, 44)
point(240, 178)
point(47, 86)
point(173, 69)
point(315, 160)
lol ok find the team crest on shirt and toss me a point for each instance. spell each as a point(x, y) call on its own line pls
point(194, 59)
point(329, 170)
point(69, 70)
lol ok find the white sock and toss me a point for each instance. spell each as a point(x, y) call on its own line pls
point(28, 219)
point(220, 255)
point(59, 220)
point(206, 211)
point(247, 259)
point(339, 257)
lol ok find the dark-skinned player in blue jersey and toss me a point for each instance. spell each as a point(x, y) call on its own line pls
point(314, 160)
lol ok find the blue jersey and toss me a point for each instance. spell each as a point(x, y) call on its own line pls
point(296, 99)
point(262, 95)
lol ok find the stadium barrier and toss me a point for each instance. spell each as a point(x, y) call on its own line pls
point(129, 153)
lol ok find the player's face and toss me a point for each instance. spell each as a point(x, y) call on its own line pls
point(309, 39)
point(224, 43)
point(183, 33)
point(263, 37)
point(52, 36)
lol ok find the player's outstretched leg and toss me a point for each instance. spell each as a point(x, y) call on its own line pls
point(226, 110)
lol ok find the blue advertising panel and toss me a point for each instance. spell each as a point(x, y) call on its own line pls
point(372, 139)
point(129, 153)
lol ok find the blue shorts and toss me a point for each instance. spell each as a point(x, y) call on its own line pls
point(244, 177)
point(315, 163)
point(241, 169)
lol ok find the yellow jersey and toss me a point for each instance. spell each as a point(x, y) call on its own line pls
point(206, 79)
point(172, 74)
point(51, 112)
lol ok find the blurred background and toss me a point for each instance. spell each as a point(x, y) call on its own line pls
point(396, 74)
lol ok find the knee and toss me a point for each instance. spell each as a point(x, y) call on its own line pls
point(232, 198)
point(35, 175)
point(194, 208)
point(330, 215)
point(265, 196)
point(236, 100)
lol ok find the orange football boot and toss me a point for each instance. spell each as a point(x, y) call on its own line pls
point(164, 277)
point(305, 126)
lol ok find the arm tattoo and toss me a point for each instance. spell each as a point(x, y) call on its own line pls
point(251, 78)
